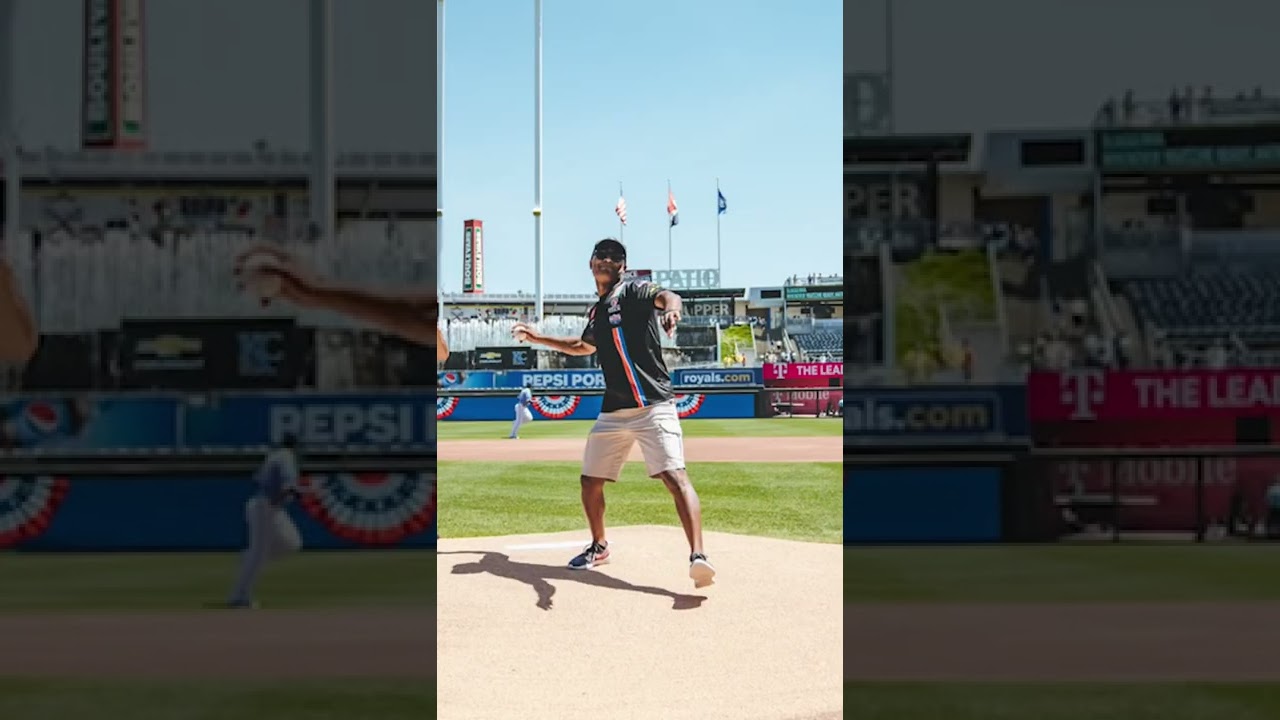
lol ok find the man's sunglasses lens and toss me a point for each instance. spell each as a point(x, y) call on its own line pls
point(610, 255)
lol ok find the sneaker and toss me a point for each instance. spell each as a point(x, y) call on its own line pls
point(701, 571)
point(595, 554)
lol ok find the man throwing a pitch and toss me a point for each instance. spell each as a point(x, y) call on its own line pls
point(639, 405)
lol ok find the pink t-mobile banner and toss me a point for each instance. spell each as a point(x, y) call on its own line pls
point(803, 371)
point(1090, 395)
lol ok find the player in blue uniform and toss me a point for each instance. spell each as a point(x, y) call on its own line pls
point(412, 316)
point(272, 533)
point(523, 413)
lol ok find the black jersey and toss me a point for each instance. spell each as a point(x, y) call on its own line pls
point(624, 328)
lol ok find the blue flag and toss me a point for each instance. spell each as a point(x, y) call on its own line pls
point(721, 206)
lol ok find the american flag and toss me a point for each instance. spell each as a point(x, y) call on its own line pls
point(621, 209)
point(671, 209)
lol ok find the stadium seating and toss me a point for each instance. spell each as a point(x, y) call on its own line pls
point(1212, 303)
point(819, 343)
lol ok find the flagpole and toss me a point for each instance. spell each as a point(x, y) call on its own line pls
point(537, 157)
point(670, 265)
point(718, 213)
point(621, 225)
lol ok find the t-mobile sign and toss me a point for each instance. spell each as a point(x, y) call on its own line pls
point(1196, 394)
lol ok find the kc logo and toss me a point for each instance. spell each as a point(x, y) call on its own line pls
point(1083, 390)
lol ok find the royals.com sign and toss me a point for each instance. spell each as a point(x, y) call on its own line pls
point(968, 415)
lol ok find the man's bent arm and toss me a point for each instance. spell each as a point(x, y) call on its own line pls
point(18, 335)
point(411, 316)
point(667, 300)
point(568, 346)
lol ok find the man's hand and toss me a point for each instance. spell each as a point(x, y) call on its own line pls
point(522, 332)
point(296, 285)
point(669, 319)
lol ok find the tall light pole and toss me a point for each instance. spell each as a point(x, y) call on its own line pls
point(322, 189)
point(9, 125)
point(439, 156)
point(537, 158)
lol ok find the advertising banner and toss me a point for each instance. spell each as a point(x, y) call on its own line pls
point(387, 420)
point(590, 379)
point(114, 513)
point(113, 102)
point(472, 257)
point(715, 377)
point(805, 402)
point(72, 423)
point(810, 372)
point(505, 358)
point(1159, 494)
point(1175, 395)
point(587, 407)
point(944, 414)
point(235, 354)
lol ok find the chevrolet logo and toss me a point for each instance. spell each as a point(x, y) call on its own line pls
point(490, 356)
point(169, 346)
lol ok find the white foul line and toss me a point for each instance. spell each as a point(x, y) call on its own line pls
point(550, 545)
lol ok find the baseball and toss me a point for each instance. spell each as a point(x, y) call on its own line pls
point(264, 285)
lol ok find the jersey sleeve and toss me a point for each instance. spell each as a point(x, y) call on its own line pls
point(642, 292)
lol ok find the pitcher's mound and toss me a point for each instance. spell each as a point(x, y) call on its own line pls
point(633, 638)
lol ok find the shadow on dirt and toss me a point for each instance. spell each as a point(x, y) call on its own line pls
point(538, 577)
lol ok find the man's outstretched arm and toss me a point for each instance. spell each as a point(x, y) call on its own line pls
point(412, 316)
point(18, 334)
point(568, 346)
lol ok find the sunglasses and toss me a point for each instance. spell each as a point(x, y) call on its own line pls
point(614, 255)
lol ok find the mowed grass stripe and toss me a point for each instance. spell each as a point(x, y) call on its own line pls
point(217, 700)
point(761, 427)
point(145, 581)
point(1061, 701)
point(1062, 573)
point(799, 502)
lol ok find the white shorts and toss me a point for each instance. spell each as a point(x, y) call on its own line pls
point(656, 428)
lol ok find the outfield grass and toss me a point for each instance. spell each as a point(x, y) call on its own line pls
point(223, 700)
point(800, 502)
point(146, 581)
point(1065, 701)
point(1062, 573)
point(761, 427)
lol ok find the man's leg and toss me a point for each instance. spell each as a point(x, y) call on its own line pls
point(254, 556)
point(688, 506)
point(515, 425)
point(606, 452)
point(662, 441)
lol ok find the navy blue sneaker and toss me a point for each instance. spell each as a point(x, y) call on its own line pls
point(595, 554)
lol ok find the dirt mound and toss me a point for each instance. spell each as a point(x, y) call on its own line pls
point(763, 643)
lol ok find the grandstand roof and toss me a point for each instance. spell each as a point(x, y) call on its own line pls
point(109, 165)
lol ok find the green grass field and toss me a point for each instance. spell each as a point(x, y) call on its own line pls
point(176, 581)
point(787, 501)
point(761, 427)
point(137, 700)
point(1062, 573)
point(1065, 701)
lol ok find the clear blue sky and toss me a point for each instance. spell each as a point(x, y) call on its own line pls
point(644, 92)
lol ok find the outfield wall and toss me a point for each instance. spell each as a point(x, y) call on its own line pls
point(200, 513)
point(935, 464)
point(704, 393)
